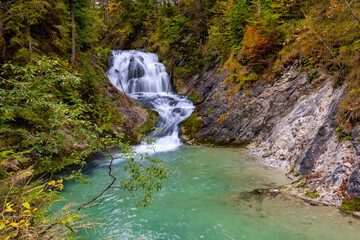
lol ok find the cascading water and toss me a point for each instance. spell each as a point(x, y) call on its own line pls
point(140, 75)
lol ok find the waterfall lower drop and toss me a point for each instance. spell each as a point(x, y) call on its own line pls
point(140, 75)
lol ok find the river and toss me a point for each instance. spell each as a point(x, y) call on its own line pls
point(208, 196)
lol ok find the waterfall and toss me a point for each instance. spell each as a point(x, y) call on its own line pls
point(140, 75)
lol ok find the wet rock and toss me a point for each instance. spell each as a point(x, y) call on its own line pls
point(355, 139)
point(266, 154)
point(353, 187)
point(318, 143)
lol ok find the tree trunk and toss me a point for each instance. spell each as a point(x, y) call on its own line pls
point(259, 7)
point(2, 38)
point(71, 2)
point(171, 81)
point(108, 14)
point(105, 8)
point(28, 31)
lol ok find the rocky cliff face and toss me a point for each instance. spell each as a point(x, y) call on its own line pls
point(289, 122)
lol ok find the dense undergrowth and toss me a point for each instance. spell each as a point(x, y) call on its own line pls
point(59, 114)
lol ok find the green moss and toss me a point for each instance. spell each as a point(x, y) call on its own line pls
point(312, 194)
point(341, 135)
point(194, 96)
point(191, 124)
point(292, 169)
point(296, 181)
point(301, 185)
point(352, 204)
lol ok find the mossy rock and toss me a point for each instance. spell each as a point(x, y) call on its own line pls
point(301, 185)
point(351, 205)
point(150, 124)
point(194, 96)
point(312, 194)
point(190, 125)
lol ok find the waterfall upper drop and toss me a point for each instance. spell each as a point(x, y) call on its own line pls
point(140, 75)
point(135, 72)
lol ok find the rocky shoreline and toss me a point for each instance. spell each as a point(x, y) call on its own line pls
point(289, 122)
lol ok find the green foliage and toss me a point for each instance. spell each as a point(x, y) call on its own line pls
point(37, 103)
point(227, 26)
point(351, 204)
point(147, 178)
point(24, 203)
point(42, 110)
point(88, 24)
point(53, 114)
point(189, 35)
point(92, 89)
point(311, 75)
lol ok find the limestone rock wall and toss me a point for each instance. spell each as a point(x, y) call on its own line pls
point(289, 122)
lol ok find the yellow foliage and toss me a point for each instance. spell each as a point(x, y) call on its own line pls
point(115, 8)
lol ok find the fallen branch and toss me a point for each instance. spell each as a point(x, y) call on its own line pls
point(331, 52)
point(86, 204)
point(351, 10)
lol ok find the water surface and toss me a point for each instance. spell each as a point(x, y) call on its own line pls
point(208, 197)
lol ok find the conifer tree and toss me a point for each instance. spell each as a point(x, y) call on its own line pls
point(35, 27)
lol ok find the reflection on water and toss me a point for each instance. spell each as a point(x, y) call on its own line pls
point(209, 196)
